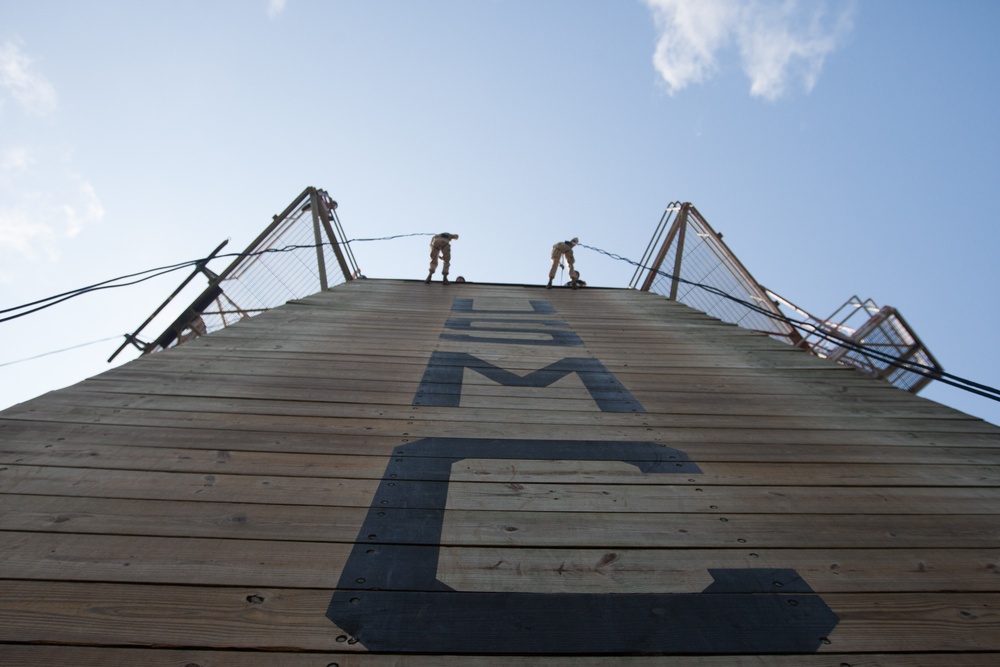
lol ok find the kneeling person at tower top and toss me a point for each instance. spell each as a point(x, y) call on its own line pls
point(441, 246)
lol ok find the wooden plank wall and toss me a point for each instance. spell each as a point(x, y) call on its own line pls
point(303, 489)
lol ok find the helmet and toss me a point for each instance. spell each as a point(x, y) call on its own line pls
point(574, 240)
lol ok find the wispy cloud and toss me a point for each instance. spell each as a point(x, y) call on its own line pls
point(778, 41)
point(85, 209)
point(43, 202)
point(21, 232)
point(34, 221)
point(275, 7)
point(27, 86)
point(15, 159)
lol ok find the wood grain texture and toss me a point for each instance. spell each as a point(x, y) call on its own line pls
point(204, 505)
point(32, 656)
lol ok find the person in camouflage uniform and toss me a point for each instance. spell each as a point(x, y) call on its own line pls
point(441, 245)
point(559, 251)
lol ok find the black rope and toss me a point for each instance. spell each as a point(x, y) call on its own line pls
point(149, 274)
point(389, 238)
point(897, 362)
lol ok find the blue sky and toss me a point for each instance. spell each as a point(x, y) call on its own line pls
point(842, 147)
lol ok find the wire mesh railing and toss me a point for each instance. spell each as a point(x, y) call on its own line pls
point(882, 339)
point(697, 269)
point(302, 251)
point(269, 279)
point(693, 266)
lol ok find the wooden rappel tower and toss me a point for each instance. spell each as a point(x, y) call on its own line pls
point(383, 472)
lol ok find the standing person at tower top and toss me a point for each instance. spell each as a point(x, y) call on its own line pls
point(560, 250)
point(441, 245)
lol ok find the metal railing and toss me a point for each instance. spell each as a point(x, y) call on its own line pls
point(695, 267)
point(875, 340)
point(703, 273)
point(301, 252)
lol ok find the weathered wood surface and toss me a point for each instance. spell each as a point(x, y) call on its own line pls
point(109, 408)
point(34, 479)
point(275, 619)
point(34, 655)
point(390, 390)
point(319, 523)
point(200, 505)
point(103, 449)
point(151, 429)
point(286, 563)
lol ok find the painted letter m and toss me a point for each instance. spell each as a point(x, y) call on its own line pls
point(442, 382)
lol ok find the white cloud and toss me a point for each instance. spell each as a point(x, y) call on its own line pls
point(80, 214)
point(39, 219)
point(690, 35)
point(24, 234)
point(15, 159)
point(777, 40)
point(42, 202)
point(275, 7)
point(28, 88)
